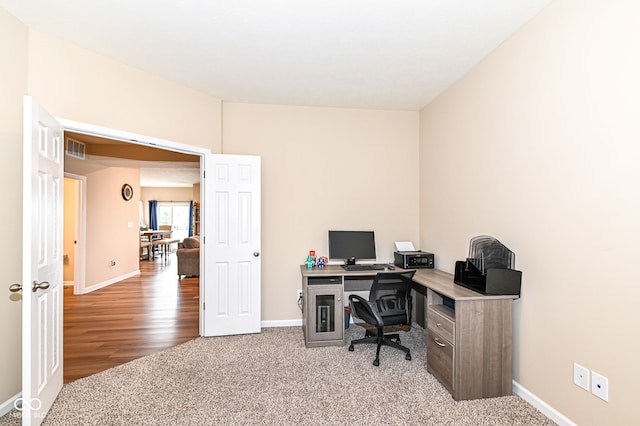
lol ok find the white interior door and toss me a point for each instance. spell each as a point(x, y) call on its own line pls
point(42, 290)
point(231, 230)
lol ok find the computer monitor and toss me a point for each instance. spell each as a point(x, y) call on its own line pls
point(352, 244)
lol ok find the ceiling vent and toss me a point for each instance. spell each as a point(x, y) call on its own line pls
point(75, 149)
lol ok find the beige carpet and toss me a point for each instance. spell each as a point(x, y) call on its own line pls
point(271, 378)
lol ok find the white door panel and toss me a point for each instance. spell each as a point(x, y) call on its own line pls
point(231, 231)
point(43, 175)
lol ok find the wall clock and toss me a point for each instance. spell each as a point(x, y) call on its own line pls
point(127, 192)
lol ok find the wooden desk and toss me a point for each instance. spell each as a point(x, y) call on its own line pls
point(469, 348)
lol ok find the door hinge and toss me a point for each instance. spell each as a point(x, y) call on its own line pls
point(203, 306)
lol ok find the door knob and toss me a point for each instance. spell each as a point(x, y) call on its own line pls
point(43, 285)
point(14, 288)
point(256, 253)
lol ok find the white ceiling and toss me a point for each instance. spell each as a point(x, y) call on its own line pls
point(375, 54)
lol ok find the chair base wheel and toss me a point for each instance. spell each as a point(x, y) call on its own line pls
point(351, 348)
point(407, 357)
point(376, 362)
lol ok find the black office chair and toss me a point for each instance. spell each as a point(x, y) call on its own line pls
point(388, 310)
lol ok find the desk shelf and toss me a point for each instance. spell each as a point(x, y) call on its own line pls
point(323, 318)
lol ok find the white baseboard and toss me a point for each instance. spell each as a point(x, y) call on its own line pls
point(288, 323)
point(540, 405)
point(282, 323)
point(109, 282)
point(8, 405)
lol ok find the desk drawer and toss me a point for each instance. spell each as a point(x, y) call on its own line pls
point(440, 359)
point(324, 280)
point(441, 320)
point(357, 283)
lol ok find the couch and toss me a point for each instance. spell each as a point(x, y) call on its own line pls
point(188, 254)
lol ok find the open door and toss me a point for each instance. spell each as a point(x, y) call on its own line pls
point(230, 286)
point(42, 290)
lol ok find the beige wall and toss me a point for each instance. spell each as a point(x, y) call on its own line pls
point(109, 236)
point(14, 38)
point(79, 85)
point(324, 169)
point(164, 194)
point(539, 146)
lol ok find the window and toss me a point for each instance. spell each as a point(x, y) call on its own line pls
point(175, 214)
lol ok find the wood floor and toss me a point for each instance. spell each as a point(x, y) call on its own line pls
point(129, 319)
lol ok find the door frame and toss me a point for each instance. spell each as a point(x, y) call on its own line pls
point(138, 139)
point(79, 267)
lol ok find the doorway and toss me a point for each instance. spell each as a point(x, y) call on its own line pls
point(170, 312)
point(74, 260)
point(230, 201)
point(112, 250)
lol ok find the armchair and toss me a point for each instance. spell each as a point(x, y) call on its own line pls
point(188, 254)
point(388, 310)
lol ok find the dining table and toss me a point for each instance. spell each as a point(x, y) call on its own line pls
point(150, 233)
point(147, 237)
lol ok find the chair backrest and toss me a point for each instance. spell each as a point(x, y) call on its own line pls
point(391, 292)
point(165, 228)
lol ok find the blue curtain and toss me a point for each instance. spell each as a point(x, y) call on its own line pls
point(153, 214)
point(191, 218)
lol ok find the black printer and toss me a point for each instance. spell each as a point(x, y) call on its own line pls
point(413, 259)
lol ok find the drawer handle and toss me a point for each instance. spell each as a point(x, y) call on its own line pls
point(439, 324)
point(438, 342)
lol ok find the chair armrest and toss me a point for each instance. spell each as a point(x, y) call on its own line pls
point(188, 252)
point(359, 298)
point(365, 310)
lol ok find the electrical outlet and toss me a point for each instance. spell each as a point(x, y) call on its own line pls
point(581, 376)
point(299, 294)
point(600, 386)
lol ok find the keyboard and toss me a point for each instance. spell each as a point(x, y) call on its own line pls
point(374, 267)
